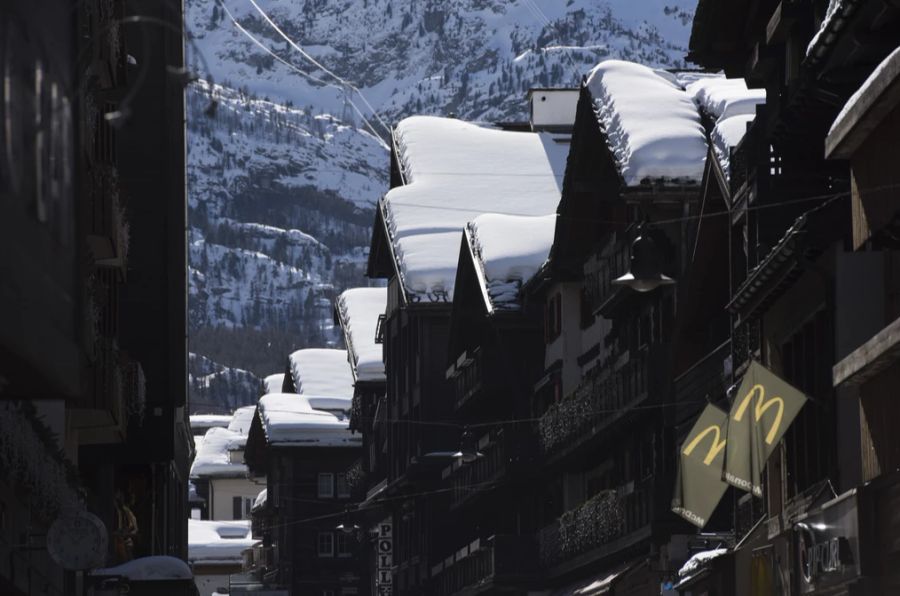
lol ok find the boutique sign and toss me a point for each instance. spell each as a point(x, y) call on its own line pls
point(827, 545)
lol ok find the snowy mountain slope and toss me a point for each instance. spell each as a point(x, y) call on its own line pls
point(284, 177)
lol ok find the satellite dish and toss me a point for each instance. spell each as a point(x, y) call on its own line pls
point(78, 540)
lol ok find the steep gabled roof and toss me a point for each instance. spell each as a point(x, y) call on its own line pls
point(455, 171)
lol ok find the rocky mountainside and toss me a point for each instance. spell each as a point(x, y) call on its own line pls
point(287, 163)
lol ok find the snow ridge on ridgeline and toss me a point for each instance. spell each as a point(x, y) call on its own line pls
point(282, 181)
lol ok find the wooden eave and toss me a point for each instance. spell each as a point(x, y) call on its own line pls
point(882, 97)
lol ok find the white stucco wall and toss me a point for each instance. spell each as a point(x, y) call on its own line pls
point(223, 490)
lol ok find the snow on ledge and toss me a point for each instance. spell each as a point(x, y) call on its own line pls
point(261, 499)
point(322, 372)
point(864, 91)
point(509, 250)
point(456, 171)
point(358, 310)
point(651, 125)
point(207, 421)
point(288, 419)
point(157, 568)
point(698, 560)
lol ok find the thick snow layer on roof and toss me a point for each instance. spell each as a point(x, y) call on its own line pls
point(274, 383)
point(732, 105)
point(240, 421)
point(289, 419)
point(156, 568)
point(698, 560)
point(322, 372)
point(331, 404)
point(204, 421)
point(359, 309)
point(213, 457)
point(456, 171)
point(652, 126)
point(509, 249)
point(218, 541)
point(864, 89)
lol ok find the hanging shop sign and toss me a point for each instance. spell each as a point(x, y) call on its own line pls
point(698, 485)
point(826, 545)
point(763, 410)
point(732, 448)
point(384, 558)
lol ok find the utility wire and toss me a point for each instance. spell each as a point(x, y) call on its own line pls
point(321, 67)
point(295, 69)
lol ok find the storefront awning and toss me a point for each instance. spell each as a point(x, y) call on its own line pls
point(602, 583)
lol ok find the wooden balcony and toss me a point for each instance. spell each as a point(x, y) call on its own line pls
point(507, 452)
point(484, 566)
point(605, 394)
point(610, 520)
point(467, 377)
point(613, 261)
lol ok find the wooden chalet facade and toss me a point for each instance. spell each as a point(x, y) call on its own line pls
point(93, 306)
point(307, 498)
point(808, 290)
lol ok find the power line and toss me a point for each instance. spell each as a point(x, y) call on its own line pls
point(321, 67)
point(294, 68)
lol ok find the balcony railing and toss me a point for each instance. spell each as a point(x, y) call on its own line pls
point(467, 377)
point(615, 263)
point(505, 454)
point(604, 394)
point(598, 522)
point(357, 479)
point(502, 559)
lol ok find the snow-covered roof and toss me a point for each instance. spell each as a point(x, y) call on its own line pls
point(732, 105)
point(221, 542)
point(322, 372)
point(698, 560)
point(359, 309)
point(274, 383)
point(651, 125)
point(156, 568)
point(865, 97)
point(205, 421)
point(213, 458)
point(240, 421)
point(454, 172)
point(288, 419)
point(261, 499)
point(508, 250)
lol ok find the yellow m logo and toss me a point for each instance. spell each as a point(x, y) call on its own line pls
point(718, 443)
point(762, 404)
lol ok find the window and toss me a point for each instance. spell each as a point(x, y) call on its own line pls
point(325, 544)
point(237, 505)
point(326, 485)
point(344, 545)
point(553, 318)
point(343, 489)
point(248, 505)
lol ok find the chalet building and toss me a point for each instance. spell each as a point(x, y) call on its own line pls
point(304, 453)
point(219, 468)
point(440, 181)
point(93, 298)
point(359, 313)
point(806, 235)
point(301, 444)
point(605, 405)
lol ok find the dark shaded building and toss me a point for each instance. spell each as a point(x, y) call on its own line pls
point(92, 250)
